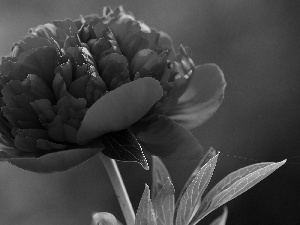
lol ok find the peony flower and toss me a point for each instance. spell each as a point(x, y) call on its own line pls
point(74, 88)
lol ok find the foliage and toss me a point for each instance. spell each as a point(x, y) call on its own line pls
point(192, 206)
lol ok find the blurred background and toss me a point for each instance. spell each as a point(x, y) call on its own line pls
point(256, 43)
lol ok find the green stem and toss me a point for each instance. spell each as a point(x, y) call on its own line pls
point(119, 187)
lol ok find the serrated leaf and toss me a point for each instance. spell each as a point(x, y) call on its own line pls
point(233, 185)
point(163, 204)
point(122, 145)
point(190, 201)
point(208, 155)
point(160, 176)
point(221, 220)
point(145, 214)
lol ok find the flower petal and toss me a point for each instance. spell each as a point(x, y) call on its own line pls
point(67, 25)
point(202, 97)
point(41, 62)
point(165, 42)
point(104, 218)
point(25, 143)
point(162, 136)
point(56, 161)
point(133, 35)
point(120, 108)
point(49, 31)
point(114, 69)
point(29, 43)
point(149, 64)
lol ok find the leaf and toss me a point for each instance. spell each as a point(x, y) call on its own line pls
point(122, 145)
point(160, 176)
point(163, 204)
point(145, 214)
point(190, 201)
point(233, 185)
point(221, 220)
point(208, 155)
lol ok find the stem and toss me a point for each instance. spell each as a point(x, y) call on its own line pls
point(119, 187)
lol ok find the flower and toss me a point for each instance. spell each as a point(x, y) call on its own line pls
point(74, 88)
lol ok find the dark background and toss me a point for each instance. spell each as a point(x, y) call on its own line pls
point(256, 43)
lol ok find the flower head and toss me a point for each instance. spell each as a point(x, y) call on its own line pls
point(74, 88)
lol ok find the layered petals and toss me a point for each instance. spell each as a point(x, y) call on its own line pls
point(149, 64)
point(134, 35)
point(50, 32)
point(74, 83)
point(41, 62)
point(28, 44)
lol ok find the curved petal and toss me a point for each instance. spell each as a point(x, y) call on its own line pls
point(148, 63)
point(203, 96)
point(41, 62)
point(163, 137)
point(165, 42)
point(120, 108)
point(56, 161)
point(133, 35)
point(67, 25)
point(49, 31)
point(104, 218)
point(29, 43)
